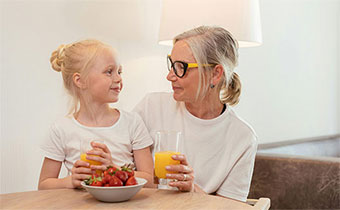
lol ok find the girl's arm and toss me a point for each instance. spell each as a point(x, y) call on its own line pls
point(49, 176)
point(50, 172)
point(144, 165)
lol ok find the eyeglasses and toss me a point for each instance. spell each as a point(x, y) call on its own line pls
point(180, 67)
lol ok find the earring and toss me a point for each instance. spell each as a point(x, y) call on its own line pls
point(212, 86)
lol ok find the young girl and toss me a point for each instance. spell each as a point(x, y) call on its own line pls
point(92, 76)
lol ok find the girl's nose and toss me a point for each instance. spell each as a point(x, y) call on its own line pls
point(117, 78)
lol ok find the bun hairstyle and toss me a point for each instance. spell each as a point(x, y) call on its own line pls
point(215, 45)
point(57, 58)
point(231, 94)
point(75, 58)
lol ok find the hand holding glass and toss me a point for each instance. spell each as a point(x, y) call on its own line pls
point(85, 146)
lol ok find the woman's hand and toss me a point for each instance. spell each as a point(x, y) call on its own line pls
point(185, 174)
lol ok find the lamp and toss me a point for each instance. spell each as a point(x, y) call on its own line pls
point(239, 17)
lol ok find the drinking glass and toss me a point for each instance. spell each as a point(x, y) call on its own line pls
point(85, 145)
point(167, 143)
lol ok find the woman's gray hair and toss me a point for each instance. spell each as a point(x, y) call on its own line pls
point(214, 45)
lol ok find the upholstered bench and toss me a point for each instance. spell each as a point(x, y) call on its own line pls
point(297, 182)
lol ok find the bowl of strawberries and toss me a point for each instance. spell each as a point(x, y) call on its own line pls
point(114, 185)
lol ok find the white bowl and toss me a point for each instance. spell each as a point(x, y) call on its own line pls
point(115, 194)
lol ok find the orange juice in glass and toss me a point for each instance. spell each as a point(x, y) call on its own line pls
point(162, 159)
point(167, 143)
point(92, 162)
point(85, 145)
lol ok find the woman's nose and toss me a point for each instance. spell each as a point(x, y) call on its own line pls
point(171, 75)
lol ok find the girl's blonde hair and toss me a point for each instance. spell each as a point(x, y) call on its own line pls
point(215, 45)
point(74, 58)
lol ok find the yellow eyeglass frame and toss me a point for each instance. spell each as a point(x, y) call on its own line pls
point(185, 65)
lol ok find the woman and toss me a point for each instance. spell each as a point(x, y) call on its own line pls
point(219, 146)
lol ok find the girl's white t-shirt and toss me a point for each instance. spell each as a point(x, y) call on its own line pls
point(127, 134)
point(221, 150)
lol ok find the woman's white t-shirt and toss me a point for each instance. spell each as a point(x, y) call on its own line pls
point(221, 150)
point(127, 134)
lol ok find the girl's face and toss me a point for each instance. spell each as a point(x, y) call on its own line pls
point(104, 81)
point(184, 88)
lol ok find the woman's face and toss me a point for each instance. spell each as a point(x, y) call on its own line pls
point(184, 88)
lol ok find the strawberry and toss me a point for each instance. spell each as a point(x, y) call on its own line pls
point(131, 181)
point(130, 173)
point(106, 179)
point(128, 169)
point(94, 180)
point(122, 175)
point(97, 183)
point(111, 170)
point(88, 181)
point(93, 176)
point(115, 181)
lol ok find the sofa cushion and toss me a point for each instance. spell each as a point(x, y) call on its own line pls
point(293, 182)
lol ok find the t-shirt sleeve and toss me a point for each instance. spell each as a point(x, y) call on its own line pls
point(237, 183)
point(141, 137)
point(52, 146)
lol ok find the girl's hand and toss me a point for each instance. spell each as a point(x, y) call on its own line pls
point(185, 174)
point(80, 172)
point(103, 155)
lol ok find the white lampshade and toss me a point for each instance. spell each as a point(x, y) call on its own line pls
point(240, 17)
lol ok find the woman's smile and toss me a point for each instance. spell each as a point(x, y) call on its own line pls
point(115, 89)
point(176, 88)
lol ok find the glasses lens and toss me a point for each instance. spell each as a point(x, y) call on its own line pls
point(169, 63)
point(179, 69)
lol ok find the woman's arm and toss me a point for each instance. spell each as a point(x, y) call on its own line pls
point(236, 185)
point(144, 165)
